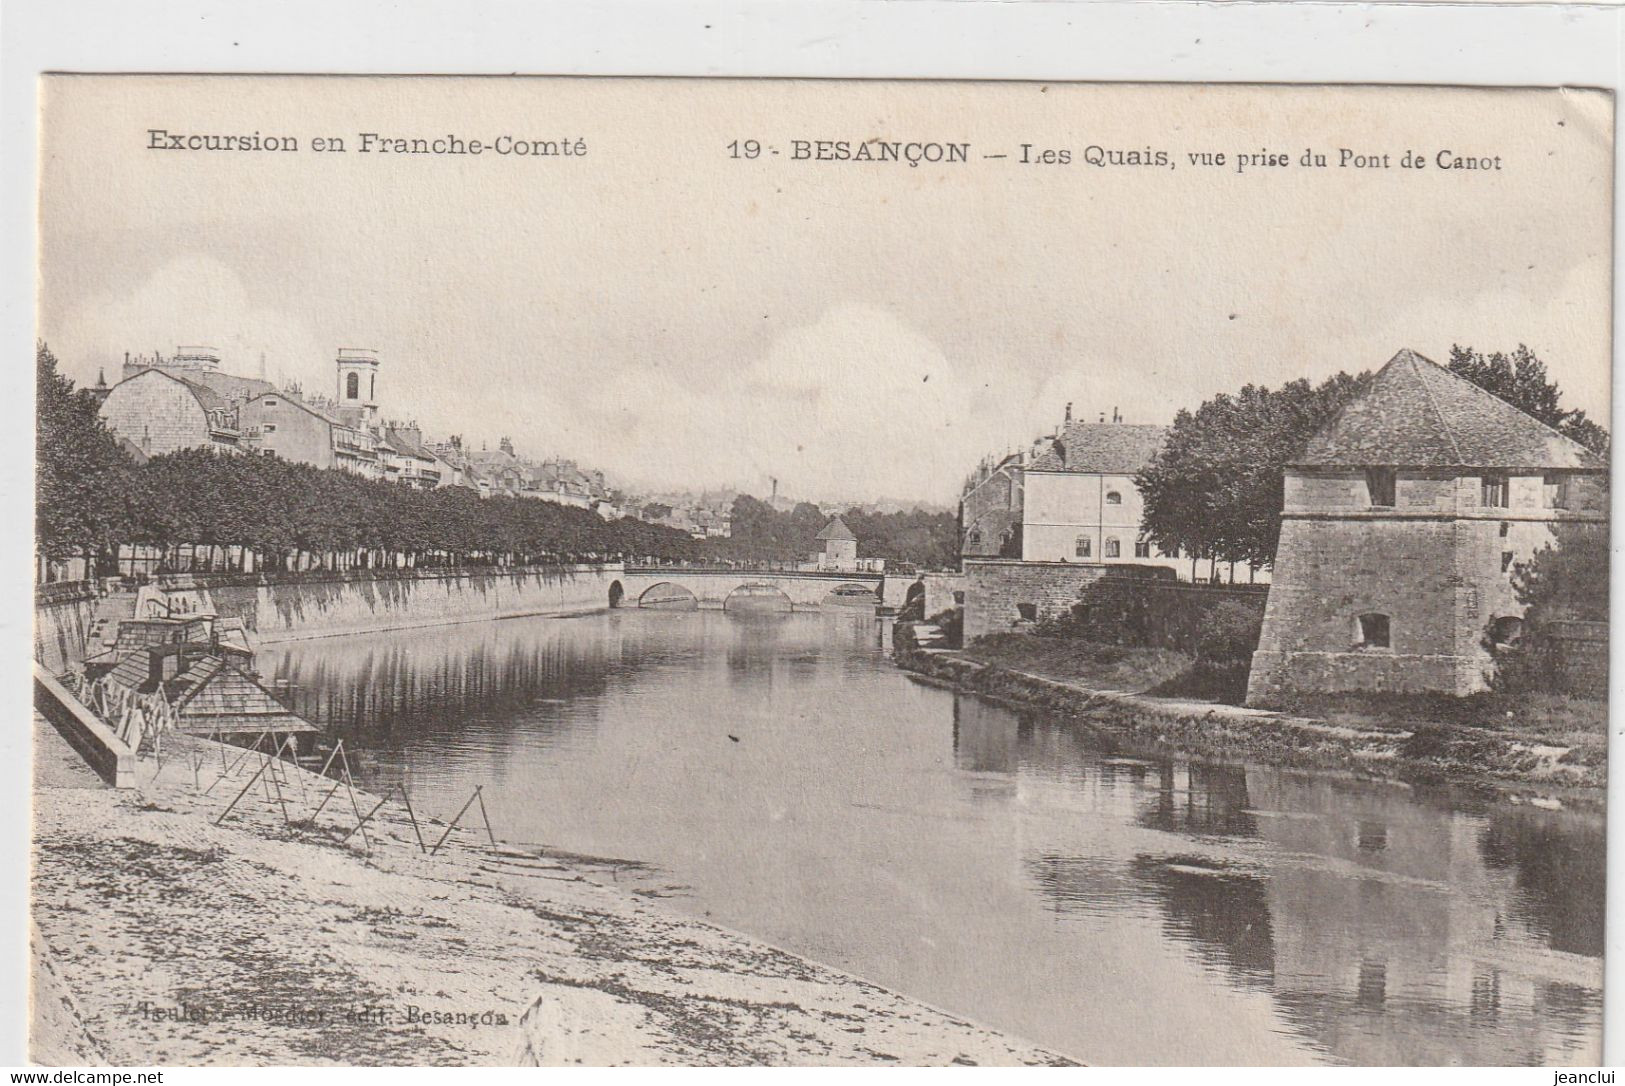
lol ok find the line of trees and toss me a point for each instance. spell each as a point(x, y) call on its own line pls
point(760, 532)
point(195, 506)
point(1216, 488)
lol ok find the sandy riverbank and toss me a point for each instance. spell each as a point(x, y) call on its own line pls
point(161, 938)
point(1521, 767)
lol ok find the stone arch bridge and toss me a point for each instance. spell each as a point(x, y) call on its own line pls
point(721, 589)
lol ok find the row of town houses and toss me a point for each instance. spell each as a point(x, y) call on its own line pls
point(165, 403)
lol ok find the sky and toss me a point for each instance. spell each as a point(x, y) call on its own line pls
point(682, 318)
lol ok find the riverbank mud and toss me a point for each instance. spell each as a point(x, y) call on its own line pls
point(1521, 767)
point(162, 937)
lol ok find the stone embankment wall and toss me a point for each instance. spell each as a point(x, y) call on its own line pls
point(1004, 594)
point(63, 613)
point(291, 607)
point(1121, 604)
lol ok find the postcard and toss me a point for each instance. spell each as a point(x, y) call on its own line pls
point(599, 571)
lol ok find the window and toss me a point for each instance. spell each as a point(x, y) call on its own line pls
point(1083, 547)
point(974, 537)
point(1371, 632)
point(1379, 483)
point(1505, 528)
point(1557, 491)
point(1506, 630)
point(1028, 611)
point(1114, 549)
point(1506, 561)
point(1494, 491)
point(1113, 498)
point(1142, 548)
point(1167, 552)
point(352, 386)
point(270, 403)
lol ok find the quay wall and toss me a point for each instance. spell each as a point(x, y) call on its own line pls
point(292, 607)
point(63, 613)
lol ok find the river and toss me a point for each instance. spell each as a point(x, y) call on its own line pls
point(777, 775)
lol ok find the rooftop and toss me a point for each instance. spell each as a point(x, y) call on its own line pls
point(835, 529)
point(1105, 448)
point(1416, 413)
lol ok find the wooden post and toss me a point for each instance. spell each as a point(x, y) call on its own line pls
point(240, 795)
point(363, 823)
point(479, 790)
point(304, 793)
point(339, 784)
point(413, 817)
point(454, 822)
point(349, 783)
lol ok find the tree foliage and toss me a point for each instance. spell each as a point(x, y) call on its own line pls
point(1520, 379)
point(288, 513)
point(761, 533)
point(1214, 490)
point(91, 498)
point(79, 472)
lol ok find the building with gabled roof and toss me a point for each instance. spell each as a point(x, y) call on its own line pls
point(1402, 523)
point(159, 412)
point(1080, 502)
point(840, 551)
point(217, 695)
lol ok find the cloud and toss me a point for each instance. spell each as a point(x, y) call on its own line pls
point(856, 396)
point(193, 300)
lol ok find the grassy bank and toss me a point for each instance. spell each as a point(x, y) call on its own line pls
point(1140, 696)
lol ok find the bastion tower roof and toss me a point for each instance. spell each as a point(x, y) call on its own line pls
point(1417, 414)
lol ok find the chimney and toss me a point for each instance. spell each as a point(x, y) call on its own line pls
point(1116, 417)
point(1069, 411)
point(1103, 417)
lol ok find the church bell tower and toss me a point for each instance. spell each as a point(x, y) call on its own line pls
point(358, 385)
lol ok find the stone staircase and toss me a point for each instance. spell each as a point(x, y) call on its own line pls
point(103, 629)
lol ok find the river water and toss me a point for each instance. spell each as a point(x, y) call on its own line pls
point(776, 774)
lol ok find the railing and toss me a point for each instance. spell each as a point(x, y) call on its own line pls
point(774, 568)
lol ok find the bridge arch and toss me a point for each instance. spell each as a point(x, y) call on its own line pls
point(852, 594)
point(668, 596)
point(757, 597)
point(617, 592)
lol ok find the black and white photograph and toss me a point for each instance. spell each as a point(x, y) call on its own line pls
point(554, 571)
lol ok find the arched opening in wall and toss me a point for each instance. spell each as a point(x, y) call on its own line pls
point(616, 593)
point(852, 595)
point(1506, 630)
point(913, 602)
point(666, 596)
point(1372, 631)
point(1113, 498)
point(757, 598)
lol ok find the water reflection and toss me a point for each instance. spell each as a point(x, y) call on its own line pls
point(1121, 906)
